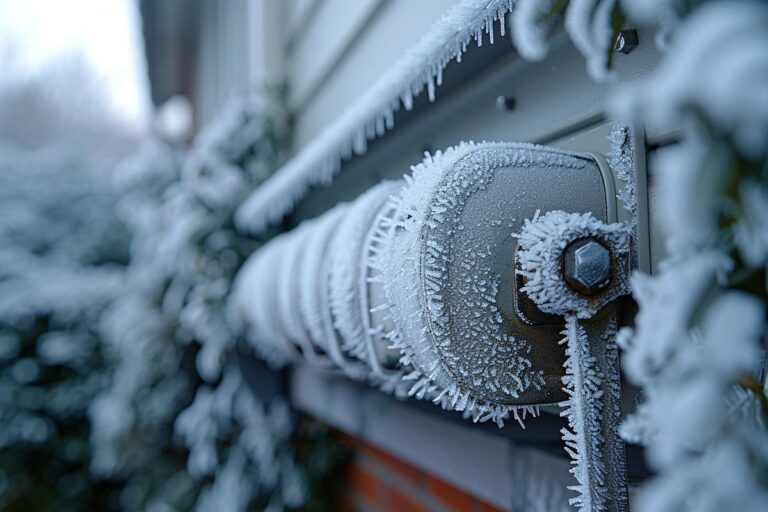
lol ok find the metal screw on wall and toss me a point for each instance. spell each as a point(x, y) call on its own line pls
point(627, 41)
point(587, 266)
point(505, 103)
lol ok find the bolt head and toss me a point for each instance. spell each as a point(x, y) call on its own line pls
point(626, 41)
point(587, 266)
point(505, 103)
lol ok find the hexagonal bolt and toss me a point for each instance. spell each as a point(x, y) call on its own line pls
point(626, 41)
point(505, 103)
point(587, 266)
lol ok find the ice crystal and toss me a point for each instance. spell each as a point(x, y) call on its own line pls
point(593, 411)
point(582, 439)
point(310, 304)
point(591, 368)
point(288, 291)
point(621, 158)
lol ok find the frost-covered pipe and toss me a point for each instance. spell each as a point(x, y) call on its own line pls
point(349, 287)
point(414, 287)
point(411, 286)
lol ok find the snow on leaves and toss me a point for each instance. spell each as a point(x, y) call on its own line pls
point(695, 337)
point(171, 328)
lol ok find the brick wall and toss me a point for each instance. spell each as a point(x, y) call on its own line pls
point(375, 481)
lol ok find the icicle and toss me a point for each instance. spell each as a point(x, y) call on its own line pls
point(446, 40)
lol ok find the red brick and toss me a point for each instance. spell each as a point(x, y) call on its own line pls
point(402, 502)
point(395, 465)
point(364, 483)
point(344, 504)
point(450, 496)
point(347, 439)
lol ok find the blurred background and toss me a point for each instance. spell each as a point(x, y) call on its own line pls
point(115, 237)
point(132, 130)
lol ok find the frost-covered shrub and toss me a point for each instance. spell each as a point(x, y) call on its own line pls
point(62, 251)
point(699, 337)
point(61, 256)
point(698, 342)
point(177, 421)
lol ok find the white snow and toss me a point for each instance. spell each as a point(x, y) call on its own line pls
point(588, 23)
point(694, 339)
point(532, 22)
point(751, 232)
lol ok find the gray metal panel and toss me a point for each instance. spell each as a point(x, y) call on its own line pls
point(541, 181)
point(658, 243)
point(324, 40)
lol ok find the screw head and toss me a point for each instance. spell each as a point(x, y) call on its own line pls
point(505, 103)
point(587, 266)
point(627, 41)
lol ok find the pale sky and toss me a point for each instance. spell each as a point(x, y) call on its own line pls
point(105, 33)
